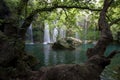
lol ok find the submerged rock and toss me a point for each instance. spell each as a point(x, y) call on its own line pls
point(67, 43)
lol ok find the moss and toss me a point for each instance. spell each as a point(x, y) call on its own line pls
point(31, 61)
point(67, 43)
point(3, 37)
point(116, 74)
point(6, 73)
point(14, 62)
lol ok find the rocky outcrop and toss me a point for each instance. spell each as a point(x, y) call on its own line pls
point(66, 43)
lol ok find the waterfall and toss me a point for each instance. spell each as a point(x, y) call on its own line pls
point(55, 34)
point(30, 35)
point(85, 30)
point(77, 35)
point(46, 34)
point(94, 40)
point(62, 33)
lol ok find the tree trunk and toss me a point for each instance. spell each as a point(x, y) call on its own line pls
point(106, 35)
point(14, 62)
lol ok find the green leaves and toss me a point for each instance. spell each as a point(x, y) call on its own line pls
point(63, 16)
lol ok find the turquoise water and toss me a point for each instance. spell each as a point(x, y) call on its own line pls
point(49, 57)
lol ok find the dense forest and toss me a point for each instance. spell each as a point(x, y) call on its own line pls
point(16, 16)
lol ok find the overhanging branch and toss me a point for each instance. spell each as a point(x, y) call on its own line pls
point(114, 21)
point(55, 7)
point(113, 53)
point(67, 7)
point(29, 19)
point(111, 1)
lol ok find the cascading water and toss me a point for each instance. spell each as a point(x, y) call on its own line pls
point(85, 31)
point(77, 35)
point(62, 33)
point(55, 34)
point(46, 34)
point(94, 42)
point(30, 35)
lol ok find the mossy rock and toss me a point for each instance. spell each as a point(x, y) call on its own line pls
point(67, 43)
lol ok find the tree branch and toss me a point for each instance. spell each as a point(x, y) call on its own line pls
point(108, 18)
point(65, 13)
point(25, 25)
point(106, 5)
point(106, 35)
point(29, 19)
point(114, 21)
point(60, 6)
point(74, 6)
point(113, 53)
point(110, 3)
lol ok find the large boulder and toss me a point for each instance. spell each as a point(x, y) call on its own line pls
point(66, 43)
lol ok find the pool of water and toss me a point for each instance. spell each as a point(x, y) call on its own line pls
point(49, 57)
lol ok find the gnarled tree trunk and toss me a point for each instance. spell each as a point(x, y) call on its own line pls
point(106, 35)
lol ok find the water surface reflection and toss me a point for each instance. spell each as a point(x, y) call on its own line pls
point(49, 57)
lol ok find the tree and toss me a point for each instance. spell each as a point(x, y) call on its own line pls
point(13, 27)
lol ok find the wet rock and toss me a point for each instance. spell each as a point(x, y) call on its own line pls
point(67, 43)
